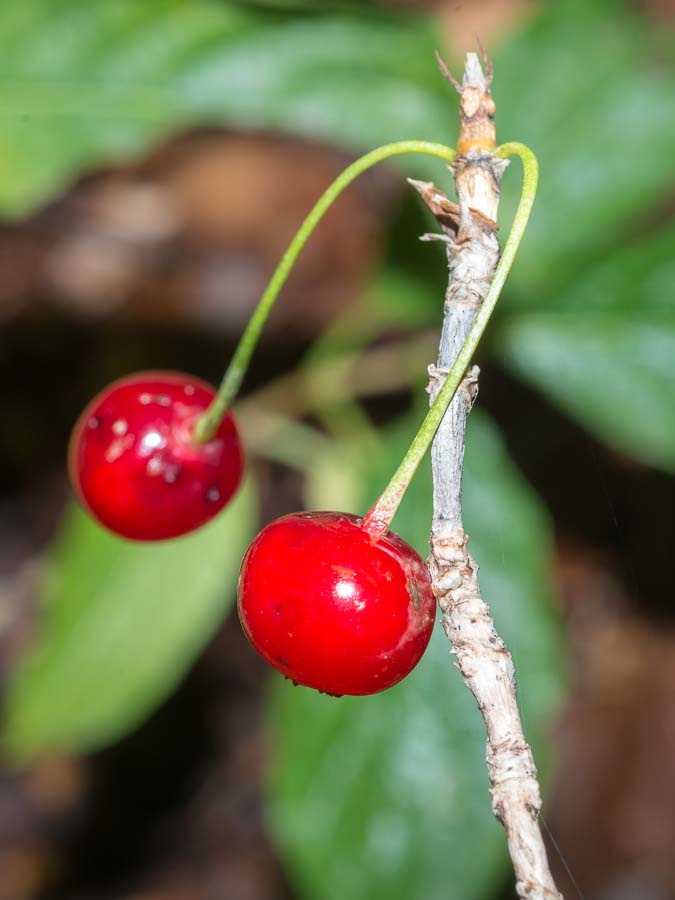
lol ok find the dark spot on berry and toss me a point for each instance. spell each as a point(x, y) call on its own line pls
point(344, 572)
point(414, 595)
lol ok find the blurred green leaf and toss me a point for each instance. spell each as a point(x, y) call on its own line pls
point(123, 621)
point(84, 82)
point(388, 795)
point(601, 126)
point(605, 350)
point(601, 123)
point(306, 5)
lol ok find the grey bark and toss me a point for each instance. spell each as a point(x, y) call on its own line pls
point(482, 659)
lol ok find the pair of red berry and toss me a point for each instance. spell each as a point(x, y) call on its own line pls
point(325, 601)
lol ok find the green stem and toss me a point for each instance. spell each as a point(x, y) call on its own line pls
point(207, 425)
point(379, 517)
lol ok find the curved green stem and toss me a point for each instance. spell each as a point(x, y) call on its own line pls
point(207, 425)
point(379, 517)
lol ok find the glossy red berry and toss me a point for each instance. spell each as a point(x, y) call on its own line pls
point(333, 609)
point(133, 462)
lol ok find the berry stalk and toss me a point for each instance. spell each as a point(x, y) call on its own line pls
point(379, 517)
point(207, 425)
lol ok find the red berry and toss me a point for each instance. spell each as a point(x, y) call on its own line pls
point(333, 609)
point(134, 464)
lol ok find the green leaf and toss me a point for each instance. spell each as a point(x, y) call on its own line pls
point(387, 796)
point(84, 82)
point(123, 621)
point(605, 351)
point(601, 124)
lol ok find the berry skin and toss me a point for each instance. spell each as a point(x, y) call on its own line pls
point(333, 609)
point(134, 465)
